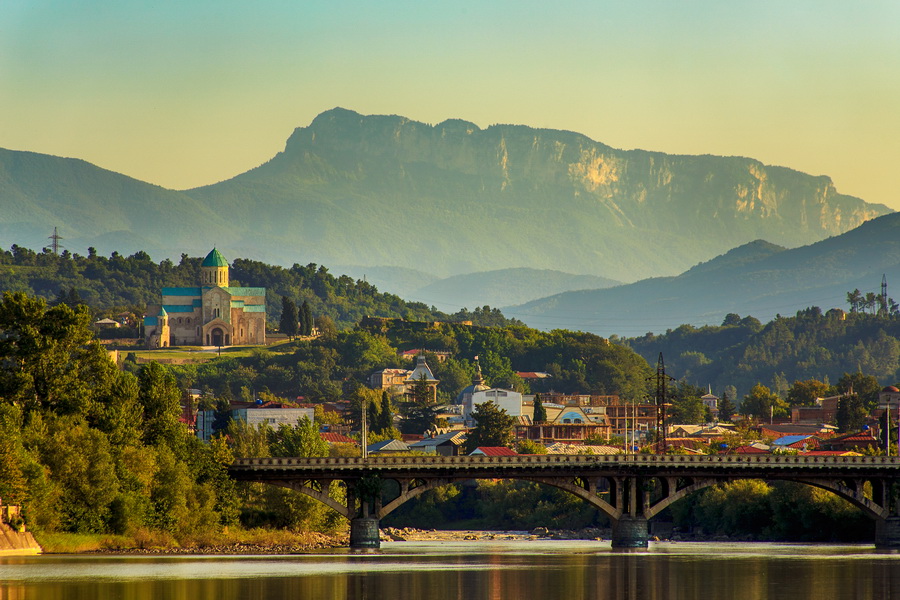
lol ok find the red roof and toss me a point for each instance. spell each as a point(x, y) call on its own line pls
point(336, 438)
point(495, 451)
point(747, 450)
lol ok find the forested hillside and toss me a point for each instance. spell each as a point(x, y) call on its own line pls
point(742, 352)
point(117, 283)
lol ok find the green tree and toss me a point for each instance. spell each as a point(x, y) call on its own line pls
point(306, 319)
point(686, 405)
point(493, 427)
point(288, 324)
point(160, 398)
point(762, 403)
point(851, 414)
point(540, 413)
point(805, 393)
point(726, 408)
point(302, 439)
point(864, 386)
point(43, 354)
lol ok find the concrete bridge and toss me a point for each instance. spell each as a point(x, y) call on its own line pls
point(629, 489)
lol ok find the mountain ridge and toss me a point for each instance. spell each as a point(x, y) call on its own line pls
point(444, 199)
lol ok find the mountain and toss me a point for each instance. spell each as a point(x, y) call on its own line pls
point(503, 287)
point(446, 199)
point(758, 279)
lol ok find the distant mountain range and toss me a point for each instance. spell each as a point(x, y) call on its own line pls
point(758, 279)
point(449, 199)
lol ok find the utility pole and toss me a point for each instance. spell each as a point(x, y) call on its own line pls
point(54, 243)
point(662, 381)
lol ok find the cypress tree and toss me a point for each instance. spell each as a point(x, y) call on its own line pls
point(540, 413)
point(288, 324)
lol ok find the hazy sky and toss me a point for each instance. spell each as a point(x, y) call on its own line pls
point(185, 93)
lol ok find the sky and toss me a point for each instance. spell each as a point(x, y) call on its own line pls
point(187, 93)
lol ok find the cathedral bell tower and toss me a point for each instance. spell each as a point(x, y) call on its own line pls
point(214, 270)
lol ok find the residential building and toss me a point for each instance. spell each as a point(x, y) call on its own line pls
point(272, 414)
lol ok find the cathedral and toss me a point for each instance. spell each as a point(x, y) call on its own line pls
point(212, 314)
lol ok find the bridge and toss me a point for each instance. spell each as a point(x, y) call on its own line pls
point(629, 489)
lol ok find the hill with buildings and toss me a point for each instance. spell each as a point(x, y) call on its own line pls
point(444, 199)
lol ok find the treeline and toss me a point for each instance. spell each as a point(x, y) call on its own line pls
point(86, 447)
point(334, 365)
point(743, 509)
point(742, 352)
point(130, 283)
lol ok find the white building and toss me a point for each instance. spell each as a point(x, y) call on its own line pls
point(254, 417)
point(508, 400)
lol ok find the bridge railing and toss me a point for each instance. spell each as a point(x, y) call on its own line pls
point(550, 460)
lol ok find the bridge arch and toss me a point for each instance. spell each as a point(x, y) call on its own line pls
point(629, 499)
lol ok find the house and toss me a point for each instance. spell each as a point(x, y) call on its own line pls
point(566, 424)
point(336, 438)
point(493, 451)
point(796, 442)
point(211, 314)
point(106, 323)
point(445, 444)
point(783, 429)
point(823, 411)
point(441, 355)
point(387, 446)
point(392, 380)
point(856, 440)
point(562, 448)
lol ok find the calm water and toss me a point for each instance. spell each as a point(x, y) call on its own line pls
point(527, 570)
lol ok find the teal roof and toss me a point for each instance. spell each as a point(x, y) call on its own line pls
point(214, 259)
point(150, 322)
point(181, 291)
point(178, 308)
point(246, 291)
point(162, 312)
point(255, 308)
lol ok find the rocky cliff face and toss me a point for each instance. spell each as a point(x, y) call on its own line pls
point(511, 196)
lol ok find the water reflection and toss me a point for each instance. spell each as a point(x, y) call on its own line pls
point(495, 571)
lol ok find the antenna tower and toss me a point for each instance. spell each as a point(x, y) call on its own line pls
point(54, 244)
point(884, 296)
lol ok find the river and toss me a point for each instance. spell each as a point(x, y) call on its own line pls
point(494, 570)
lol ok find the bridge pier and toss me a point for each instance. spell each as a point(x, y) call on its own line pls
point(887, 533)
point(630, 532)
point(365, 533)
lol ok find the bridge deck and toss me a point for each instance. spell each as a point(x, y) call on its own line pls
point(762, 466)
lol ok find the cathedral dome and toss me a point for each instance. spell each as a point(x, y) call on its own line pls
point(214, 259)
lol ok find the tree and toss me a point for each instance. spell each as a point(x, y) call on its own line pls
point(288, 325)
point(687, 407)
point(160, 398)
point(302, 439)
point(805, 393)
point(726, 408)
point(306, 319)
point(865, 386)
point(762, 403)
point(854, 299)
point(851, 414)
point(44, 353)
point(540, 413)
point(493, 427)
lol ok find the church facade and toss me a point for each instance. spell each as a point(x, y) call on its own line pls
point(212, 314)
